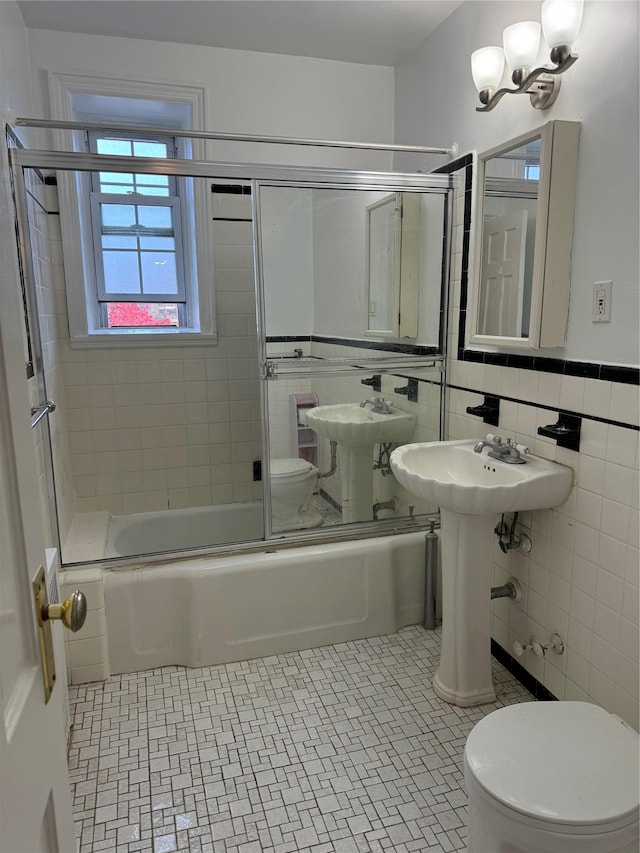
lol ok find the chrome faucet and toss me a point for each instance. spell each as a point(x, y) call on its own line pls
point(378, 405)
point(508, 452)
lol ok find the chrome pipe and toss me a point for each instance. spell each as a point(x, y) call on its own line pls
point(236, 137)
point(430, 574)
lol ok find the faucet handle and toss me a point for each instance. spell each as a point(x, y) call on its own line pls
point(495, 439)
point(521, 448)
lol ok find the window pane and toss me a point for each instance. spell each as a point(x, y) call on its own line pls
point(115, 178)
point(164, 191)
point(117, 242)
point(114, 146)
point(152, 180)
point(167, 244)
point(149, 149)
point(118, 189)
point(134, 314)
point(118, 215)
point(155, 216)
point(159, 273)
point(121, 274)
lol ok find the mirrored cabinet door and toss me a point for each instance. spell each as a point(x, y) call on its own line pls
point(523, 236)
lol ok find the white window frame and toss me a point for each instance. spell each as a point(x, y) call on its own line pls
point(71, 98)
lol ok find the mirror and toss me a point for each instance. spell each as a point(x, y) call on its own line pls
point(328, 254)
point(392, 231)
point(523, 234)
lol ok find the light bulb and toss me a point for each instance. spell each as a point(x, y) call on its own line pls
point(521, 43)
point(561, 21)
point(487, 65)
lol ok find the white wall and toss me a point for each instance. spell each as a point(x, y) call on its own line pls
point(286, 234)
point(582, 576)
point(245, 93)
point(435, 105)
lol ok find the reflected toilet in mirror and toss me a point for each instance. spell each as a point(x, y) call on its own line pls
point(293, 482)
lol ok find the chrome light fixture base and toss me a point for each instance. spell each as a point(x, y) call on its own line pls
point(542, 85)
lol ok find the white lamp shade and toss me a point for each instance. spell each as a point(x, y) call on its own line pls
point(487, 65)
point(561, 21)
point(521, 43)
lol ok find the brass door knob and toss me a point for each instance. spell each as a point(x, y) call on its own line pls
point(72, 611)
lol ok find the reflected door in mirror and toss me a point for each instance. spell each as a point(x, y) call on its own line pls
point(502, 283)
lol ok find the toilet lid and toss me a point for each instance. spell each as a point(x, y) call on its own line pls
point(562, 762)
point(290, 467)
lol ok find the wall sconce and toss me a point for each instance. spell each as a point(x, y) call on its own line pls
point(560, 24)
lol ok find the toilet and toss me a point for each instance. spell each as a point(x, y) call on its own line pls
point(292, 484)
point(552, 777)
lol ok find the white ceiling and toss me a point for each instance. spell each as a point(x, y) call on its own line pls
point(373, 32)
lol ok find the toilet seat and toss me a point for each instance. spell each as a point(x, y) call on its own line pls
point(568, 767)
point(290, 468)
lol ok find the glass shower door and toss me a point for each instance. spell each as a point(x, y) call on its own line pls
point(344, 380)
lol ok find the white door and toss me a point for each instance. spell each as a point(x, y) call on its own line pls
point(35, 801)
point(502, 282)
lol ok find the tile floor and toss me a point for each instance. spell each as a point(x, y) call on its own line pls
point(342, 749)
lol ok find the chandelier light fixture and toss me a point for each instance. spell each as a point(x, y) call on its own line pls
point(561, 21)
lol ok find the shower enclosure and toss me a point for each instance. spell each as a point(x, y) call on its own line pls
point(310, 289)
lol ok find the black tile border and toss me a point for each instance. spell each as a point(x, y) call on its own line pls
point(538, 690)
point(557, 409)
point(406, 349)
point(567, 367)
point(286, 339)
point(231, 189)
point(585, 369)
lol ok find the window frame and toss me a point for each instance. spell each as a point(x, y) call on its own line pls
point(173, 106)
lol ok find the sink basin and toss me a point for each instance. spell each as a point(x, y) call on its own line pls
point(450, 475)
point(353, 426)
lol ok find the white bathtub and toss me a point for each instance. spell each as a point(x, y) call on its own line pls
point(222, 609)
point(172, 530)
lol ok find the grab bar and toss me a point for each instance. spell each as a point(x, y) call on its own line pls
point(38, 412)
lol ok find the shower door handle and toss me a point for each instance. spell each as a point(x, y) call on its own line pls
point(38, 412)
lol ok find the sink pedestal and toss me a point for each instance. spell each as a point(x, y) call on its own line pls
point(356, 465)
point(464, 675)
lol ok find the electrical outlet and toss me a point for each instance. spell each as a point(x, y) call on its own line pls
point(602, 301)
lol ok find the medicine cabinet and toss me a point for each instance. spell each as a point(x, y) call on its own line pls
point(523, 236)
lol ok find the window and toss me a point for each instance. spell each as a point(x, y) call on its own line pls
point(136, 224)
point(138, 254)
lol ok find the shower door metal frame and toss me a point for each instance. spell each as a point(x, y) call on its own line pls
point(262, 175)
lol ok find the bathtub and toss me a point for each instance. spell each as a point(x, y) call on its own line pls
point(216, 610)
point(172, 530)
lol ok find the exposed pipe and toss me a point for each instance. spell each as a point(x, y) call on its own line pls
point(390, 504)
point(507, 538)
point(511, 589)
point(333, 463)
point(430, 574)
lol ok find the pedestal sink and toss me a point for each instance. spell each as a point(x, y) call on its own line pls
point(356, 429)
point(471, 489)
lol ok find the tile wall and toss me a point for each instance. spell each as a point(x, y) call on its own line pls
point(582, 576)
point(169, 427)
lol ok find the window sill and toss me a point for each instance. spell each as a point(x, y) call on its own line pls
point(119, 340)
